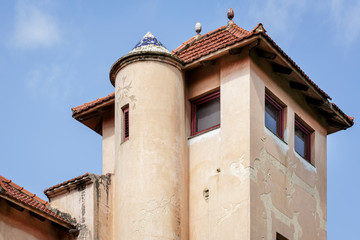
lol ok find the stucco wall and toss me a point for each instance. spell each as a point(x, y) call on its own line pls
point(151, 197)
point(90, 205)
point(79, 203)
point(219, 159)
point(245, 182)
point(288, 194)
point(108, 142)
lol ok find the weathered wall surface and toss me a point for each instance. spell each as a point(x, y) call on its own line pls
point(103, 207)
point(245, 182)
point(79, 203)
point(90, 205)
point(15, 224)
point(150, 200)
point(219, 196)
point(288, 194)
point(108, 143)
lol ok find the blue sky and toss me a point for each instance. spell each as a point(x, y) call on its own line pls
point(55, 55)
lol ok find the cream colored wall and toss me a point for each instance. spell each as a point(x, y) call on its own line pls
point(91, 206)
point(202, 80)
point(103, 207)
point(288, 194)
point(16, 225)
point(219, 159)
point(108, 143)
point(79, 203)
point(150, 200)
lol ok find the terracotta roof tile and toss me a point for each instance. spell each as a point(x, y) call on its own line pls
point(19, 194)
point(66, 182)
point(225, 36)
point(295, 66)
point(201, 46)
point(351, 119)
point(86, 106)
point(197, 47)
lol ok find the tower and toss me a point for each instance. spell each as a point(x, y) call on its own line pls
point(150, 154)
point(223, 138)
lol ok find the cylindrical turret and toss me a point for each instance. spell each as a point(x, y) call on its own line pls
point(150, 192)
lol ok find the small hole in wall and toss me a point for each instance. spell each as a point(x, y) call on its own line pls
point(218, 170)
point(206, 194)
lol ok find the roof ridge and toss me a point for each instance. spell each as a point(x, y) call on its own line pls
point(66, 182)
point(189, 43)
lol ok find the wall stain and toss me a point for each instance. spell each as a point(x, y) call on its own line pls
point(123, 92)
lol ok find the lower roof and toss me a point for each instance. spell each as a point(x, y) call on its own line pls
point(25, 199)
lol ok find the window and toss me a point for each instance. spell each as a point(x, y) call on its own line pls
point(302, 140)
point(126, 132)
point(273, 116)
point(280, 237)
point(205, 113)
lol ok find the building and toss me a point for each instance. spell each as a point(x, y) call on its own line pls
point(223, 138)
point(23, 215)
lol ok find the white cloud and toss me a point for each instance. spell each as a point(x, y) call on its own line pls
point(51, 82)
point(34, 27)
point(346, 16)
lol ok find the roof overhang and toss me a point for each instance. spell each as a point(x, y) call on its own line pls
point(69, 185)
point(38, 212)
point(91, 114)
point(265, 48)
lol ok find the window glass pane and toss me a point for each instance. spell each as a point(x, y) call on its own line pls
point(300, 142)
point(271, 118)
point(207, 114)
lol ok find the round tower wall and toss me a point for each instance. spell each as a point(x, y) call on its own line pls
point(150, 188)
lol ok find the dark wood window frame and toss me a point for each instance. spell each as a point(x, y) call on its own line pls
point(279, 113)
point(280, 237)
point(307, 143)
point(126, 123)
point(194, 106)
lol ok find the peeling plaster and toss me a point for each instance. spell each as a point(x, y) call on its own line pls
point(154, 210)
point(270, 208)
point(228, 212)
point(237, 169)
point(123, 92)
point(308, 166)
point(284, 146)
point(205, 136)
point(291, 179)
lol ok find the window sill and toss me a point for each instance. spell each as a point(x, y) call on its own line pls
point(277, 136)
point(124, 141)
point(307, 164)
point(203, 132)
point(280, 142)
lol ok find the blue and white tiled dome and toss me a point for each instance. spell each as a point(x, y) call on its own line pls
point(149, 43)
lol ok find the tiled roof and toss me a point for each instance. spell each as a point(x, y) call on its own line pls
point(351, 119)
point(225, 36)
point(86, 106)
point(197, 47)
point(66, 183)
point(203, 45)
point(22, 196)
point(149, 43)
